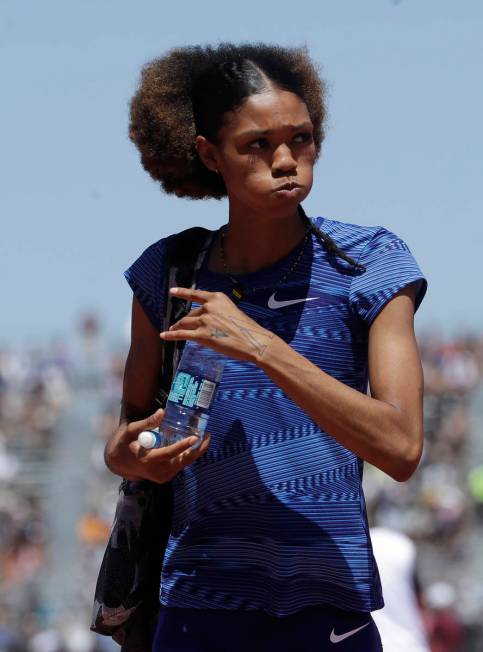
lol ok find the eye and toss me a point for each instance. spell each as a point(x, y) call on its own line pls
point(304, 137)
point(260, 143)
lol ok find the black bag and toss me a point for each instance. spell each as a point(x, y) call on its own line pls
point(126, 601)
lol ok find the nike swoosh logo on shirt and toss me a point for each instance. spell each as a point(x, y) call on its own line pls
point(337, 638)
point(274, 304)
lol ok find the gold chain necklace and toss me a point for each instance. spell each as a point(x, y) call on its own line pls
point(238, 291)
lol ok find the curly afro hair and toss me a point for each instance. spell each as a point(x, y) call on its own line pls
point(188, 91)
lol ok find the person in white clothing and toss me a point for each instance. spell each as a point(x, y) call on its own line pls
point(400, 622)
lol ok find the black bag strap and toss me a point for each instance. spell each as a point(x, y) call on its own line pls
point(185, 252)
point(184, 256)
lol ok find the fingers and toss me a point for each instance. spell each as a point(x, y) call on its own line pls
point(174, 450)
point(188, 323)
point(196, 312)
point(180, 335)
point(164, 454)
point(190, 456)
point(149, 423)
point(165, 471)
point(155, 464)
point(192, 295)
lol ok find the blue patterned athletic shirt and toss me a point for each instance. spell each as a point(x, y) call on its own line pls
point(273, 516)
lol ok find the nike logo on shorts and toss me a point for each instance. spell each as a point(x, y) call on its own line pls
point(274, 304)
point(337, 638)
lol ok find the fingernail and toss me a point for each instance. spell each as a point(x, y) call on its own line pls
point(174, 290)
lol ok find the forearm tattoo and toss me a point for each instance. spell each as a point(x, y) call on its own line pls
point(258, 339)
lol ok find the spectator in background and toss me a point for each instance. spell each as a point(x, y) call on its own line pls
point(400, 622)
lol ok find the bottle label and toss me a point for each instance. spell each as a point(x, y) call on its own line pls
point(192, 391)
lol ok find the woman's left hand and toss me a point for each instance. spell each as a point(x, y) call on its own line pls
point(219, 324)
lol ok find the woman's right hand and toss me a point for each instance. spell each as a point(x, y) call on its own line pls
point(124, 455)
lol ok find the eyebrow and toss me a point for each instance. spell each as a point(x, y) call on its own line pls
point(267, 132)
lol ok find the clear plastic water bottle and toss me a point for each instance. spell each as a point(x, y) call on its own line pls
point(190, 399)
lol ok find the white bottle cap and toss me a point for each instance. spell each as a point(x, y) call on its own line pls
point(147, 439)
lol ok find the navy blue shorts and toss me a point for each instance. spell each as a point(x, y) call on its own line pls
point(313, 629)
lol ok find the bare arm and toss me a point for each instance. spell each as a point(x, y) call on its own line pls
point(143, 366)
point(123, 455)
point(386, 428)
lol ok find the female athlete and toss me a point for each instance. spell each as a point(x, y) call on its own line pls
point(270, 546)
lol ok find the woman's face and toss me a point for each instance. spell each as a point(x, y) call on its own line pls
point(263, 145)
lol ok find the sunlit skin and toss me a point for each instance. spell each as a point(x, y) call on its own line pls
point(262, 145)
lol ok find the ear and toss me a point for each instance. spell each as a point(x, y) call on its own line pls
point(207, 153)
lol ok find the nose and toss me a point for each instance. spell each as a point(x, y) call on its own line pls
point(283, 160)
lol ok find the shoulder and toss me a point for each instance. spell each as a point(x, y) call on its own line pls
point(387, 265)
point(175, 246)
point(175, 255)
point(154, 249)
point(353, 238)
point(361, 241)
point(182, 246)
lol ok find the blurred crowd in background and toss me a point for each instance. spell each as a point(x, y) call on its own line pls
point(59, 402)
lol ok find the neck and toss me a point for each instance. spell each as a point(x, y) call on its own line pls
point(253, 242)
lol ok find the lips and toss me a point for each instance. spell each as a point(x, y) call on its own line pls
point(287, 186)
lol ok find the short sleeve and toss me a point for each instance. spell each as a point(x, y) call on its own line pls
point(390, 267)
point(146, 277)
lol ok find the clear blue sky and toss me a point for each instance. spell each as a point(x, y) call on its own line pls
point(403, 149)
